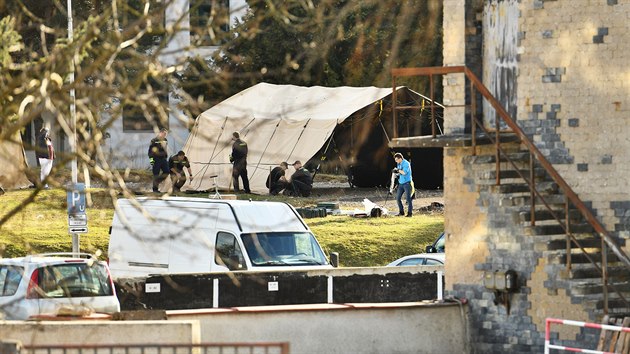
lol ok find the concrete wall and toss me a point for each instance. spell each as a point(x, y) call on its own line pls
point(100, 332)
point(331, 329)
point(348, 328)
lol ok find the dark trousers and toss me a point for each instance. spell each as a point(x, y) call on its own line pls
point(404, 188)
point(240, 170)
point(277, 187)
point(178, 183)
point(160, 171)
point(298, 189)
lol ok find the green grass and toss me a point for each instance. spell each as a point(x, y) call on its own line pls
point(375, 241)
point(42, 226)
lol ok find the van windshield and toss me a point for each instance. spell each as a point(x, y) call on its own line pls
point(283, 249)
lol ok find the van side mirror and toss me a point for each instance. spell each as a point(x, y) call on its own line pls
point(235, 262)
point(430, 249)
point(334, 259)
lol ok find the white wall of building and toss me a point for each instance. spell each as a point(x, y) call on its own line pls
point(128, 149)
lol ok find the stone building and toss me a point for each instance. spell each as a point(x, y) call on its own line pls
point(560, 70)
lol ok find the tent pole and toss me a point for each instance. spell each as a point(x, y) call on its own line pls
point(323, 154)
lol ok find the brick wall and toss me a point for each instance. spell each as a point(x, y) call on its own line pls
point(573, 100)
point(574, 92)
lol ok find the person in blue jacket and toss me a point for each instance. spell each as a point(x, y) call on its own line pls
point(403, 169)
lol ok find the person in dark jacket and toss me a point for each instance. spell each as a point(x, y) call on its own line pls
point(176, 164)
point(276, 182)
point(158, 158)
point(239, 160)
point(301, 183)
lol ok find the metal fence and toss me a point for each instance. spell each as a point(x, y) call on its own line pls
point(202, 348)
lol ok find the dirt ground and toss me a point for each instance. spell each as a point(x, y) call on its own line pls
point(353, 197)
point(326, 188)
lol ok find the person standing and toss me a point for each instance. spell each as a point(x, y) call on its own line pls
point(238, 158)
point(45, 153)
point(176, 164)
point(403, 168)
point(276, 182)
point(301, 183)
point(157, 157)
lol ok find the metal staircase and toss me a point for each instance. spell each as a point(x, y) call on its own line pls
point(543, 205)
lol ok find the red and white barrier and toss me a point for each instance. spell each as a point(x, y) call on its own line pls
point(549, 321)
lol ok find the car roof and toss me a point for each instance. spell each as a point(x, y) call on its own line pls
point(438, 256)
point(49, 258)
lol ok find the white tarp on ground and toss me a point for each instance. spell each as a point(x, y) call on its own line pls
point(13, 162)
point(278, 122)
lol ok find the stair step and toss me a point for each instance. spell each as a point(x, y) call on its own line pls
point(577, 258)
point(591, 288)
point(561, 244)
point(539, 174)
point(518, 156)
point(616, 273)
point(524, 200)
point(557, 229)
point(615, 303)
point(546, 214)
point(544, 188)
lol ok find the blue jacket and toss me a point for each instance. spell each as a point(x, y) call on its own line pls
point(404, 166)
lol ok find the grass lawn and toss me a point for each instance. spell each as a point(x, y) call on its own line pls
point(42, 226)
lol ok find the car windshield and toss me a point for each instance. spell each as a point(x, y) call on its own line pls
point(74, 280)
point(283, 249)
point(10, 277)
point(439, 244)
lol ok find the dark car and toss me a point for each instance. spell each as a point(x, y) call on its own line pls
point(437, 246)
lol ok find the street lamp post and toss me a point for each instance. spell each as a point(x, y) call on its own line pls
point(73, 117)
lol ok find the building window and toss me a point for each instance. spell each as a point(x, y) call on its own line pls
point(209, 22)
point(138, 115)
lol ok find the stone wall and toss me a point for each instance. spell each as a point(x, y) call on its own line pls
point(454, 54)
point(571, 95)
point(465, 224)
point(574, 96)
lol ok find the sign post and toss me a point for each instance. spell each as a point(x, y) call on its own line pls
point(77, 218)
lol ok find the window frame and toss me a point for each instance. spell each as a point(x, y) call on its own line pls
point(225, 260)
point(199, 22)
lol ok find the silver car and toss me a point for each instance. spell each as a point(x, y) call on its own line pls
point(55, 284)
point(434, 259)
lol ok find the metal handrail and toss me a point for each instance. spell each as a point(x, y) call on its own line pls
point(570, 195)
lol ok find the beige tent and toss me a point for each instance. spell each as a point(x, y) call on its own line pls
point(13, 162)
point(278, 122)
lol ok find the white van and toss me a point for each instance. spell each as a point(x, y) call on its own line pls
point(193, 235)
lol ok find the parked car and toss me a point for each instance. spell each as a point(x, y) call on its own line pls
point(434, 259)
point(55, 283)
point(437, 246)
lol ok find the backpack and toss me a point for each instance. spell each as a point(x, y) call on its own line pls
point(42, 146)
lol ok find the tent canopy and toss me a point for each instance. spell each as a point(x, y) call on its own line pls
point(13, 162)
point(278, 122)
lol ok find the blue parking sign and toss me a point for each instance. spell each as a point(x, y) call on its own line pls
point(76, 199)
